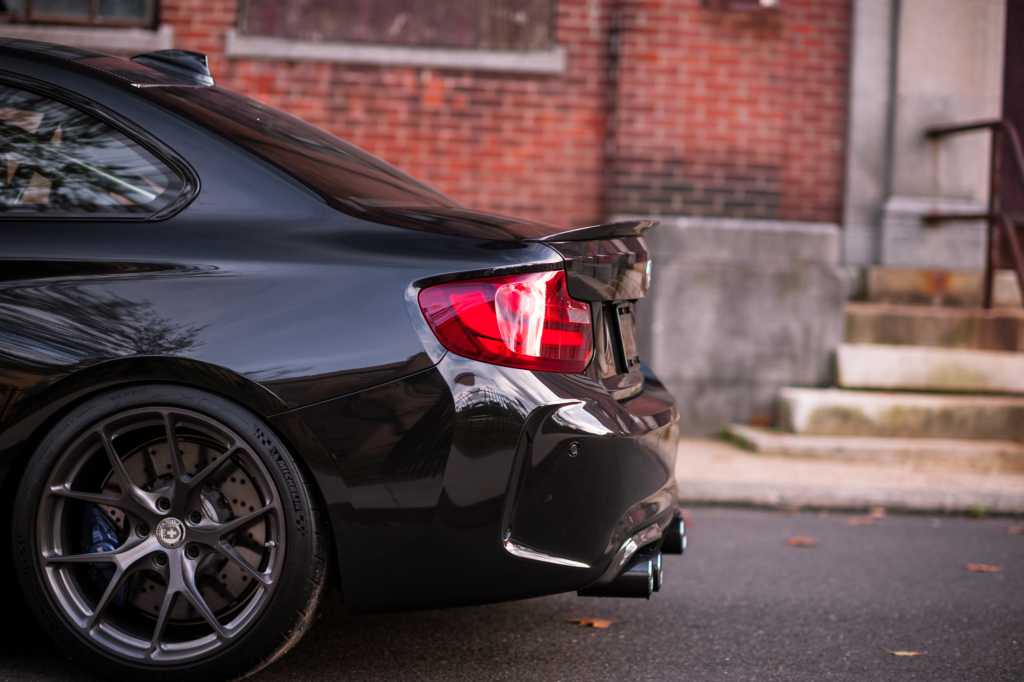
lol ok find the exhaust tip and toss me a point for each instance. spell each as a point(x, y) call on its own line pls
point(656, 565)
point(636, 580)
point(674, 541)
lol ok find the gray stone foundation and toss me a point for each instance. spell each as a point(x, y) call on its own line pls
point(739, 309)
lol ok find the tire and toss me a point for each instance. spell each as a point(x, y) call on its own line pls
point(242, 578)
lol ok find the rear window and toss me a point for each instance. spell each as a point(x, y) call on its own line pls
point(351, 179)
point(57, 159)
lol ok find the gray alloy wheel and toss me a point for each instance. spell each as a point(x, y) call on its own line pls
point(161, 538)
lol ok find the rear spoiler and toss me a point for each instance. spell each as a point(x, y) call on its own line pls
point(625, 228)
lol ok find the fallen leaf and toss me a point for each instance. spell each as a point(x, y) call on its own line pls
point(978, 511)
point(790, 511)
point(877, 512)
point(861, 521)
point(761, 420)
point(801, 541)
point(903, 653)
point(589, 622)
point(823, 514)
point(1014, 530)
point(984, 568)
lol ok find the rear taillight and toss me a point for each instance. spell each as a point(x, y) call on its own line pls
point(525, 321)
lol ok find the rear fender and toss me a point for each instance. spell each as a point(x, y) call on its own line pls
point(37, 414)
point(37, 409)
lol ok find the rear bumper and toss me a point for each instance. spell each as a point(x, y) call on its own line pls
point(470, 483)
point(590, 473)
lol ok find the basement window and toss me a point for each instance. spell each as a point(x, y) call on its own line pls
point(745, 5)
point(113, 13)
point(517, 25)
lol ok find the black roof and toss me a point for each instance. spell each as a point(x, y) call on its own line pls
point(118, 70)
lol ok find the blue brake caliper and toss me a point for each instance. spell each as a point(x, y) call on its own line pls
point(99, 535)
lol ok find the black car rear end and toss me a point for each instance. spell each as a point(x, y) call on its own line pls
point(452, 398)
point(478, 482)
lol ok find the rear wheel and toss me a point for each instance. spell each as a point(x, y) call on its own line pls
point(160, 529)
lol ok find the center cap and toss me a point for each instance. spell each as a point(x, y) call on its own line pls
point(170, 533)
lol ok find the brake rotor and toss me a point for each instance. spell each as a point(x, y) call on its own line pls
point(228, 494)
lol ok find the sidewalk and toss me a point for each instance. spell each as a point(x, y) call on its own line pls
point(716, 472)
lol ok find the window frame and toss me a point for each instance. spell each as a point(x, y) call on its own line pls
point(551, 62)
point(551, 25)
point(26, 16)
point(745, 5)
point(190, 184)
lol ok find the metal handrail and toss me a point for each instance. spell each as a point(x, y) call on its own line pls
point(996, 218)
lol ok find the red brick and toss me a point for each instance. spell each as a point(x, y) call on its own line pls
point(718, 112)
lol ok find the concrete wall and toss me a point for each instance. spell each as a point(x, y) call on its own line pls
point(949, 69)
point(738, 309)
point(916, 64)
point(868, 133)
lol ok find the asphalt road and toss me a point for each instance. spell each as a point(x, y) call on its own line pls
point(741, 605)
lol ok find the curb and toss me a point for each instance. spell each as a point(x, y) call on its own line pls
point(848, 499)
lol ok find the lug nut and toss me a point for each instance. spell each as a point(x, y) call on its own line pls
point(160, 559)
point(142, 530)
point(195, 517)
point(163, 504)
point(192, 552)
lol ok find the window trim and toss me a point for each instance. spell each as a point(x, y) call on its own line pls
point(550, 62)
point(190, 184)
point(28, 16)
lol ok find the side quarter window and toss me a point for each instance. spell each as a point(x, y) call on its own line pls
point(55, 159)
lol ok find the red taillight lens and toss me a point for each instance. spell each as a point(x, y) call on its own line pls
point(525, 321)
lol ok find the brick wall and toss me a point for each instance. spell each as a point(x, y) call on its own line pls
point(528, 146)
point(718, 113)
point(727, 113)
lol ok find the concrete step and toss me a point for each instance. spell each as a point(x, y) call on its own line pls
point(718, 472)
point(940, 287)
point(844, 412)
point(931, 453)
point(886, 323)
point(917, 368)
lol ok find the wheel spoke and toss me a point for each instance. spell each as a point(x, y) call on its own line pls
point(161, 621)
point(95, 498)
point(201, 476)
point(235, 524)
point(124, 480)
point(95, 558)
point(177, 464)
point(191, 593)
point(123, 557)
point(129, 491)
point(232, 554)
point(108, 595)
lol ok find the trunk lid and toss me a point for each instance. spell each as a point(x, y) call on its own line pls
point(609, 267)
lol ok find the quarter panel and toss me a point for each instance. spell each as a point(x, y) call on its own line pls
point(257, 275)
point(430, 475)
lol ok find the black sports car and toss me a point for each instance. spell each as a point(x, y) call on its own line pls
point(242, 361)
